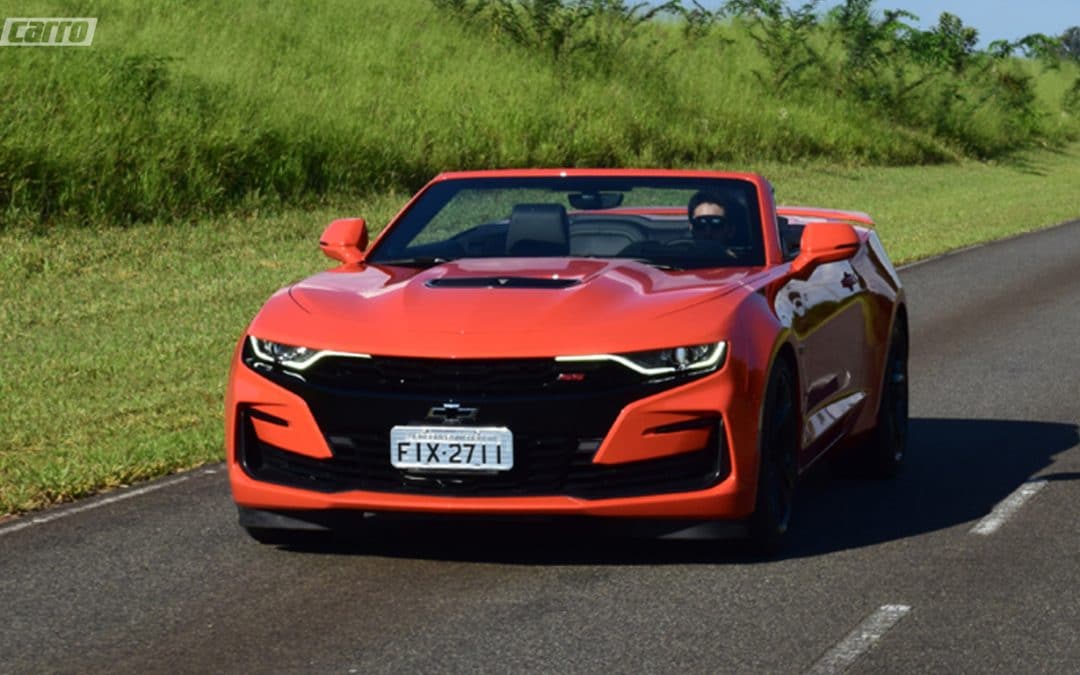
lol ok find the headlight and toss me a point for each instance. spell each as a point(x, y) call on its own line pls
point(289, 356)
point(292, 356)
point(695, 358)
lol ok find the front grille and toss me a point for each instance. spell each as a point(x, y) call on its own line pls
point(544, 464)
point(480, 377)
point(557, 422)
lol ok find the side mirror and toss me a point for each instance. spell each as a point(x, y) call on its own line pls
point(824, 243)
point(345, 239)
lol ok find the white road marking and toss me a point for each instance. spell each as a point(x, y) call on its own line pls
point(111, 499)
point(859, 641)
point(1007, 507)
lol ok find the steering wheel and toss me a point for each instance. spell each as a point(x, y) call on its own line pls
point(684, 244)
point(688, 244)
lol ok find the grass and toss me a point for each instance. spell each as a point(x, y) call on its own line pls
point(121, 338)
point(182, 111)
point(924, 211)
point(117, 340)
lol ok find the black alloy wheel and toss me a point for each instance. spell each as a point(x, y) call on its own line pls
point(777, 468)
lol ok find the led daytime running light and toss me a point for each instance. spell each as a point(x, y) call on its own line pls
point(294, 358)
point(714, 357)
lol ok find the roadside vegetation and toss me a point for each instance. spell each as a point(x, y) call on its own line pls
point(180, 111)
point(156, 188)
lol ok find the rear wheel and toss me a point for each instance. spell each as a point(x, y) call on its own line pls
point(887, 444)
point(777, 468)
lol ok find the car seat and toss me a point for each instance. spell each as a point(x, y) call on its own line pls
point(538, 230)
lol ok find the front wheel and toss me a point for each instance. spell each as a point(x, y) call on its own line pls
point(777, 468)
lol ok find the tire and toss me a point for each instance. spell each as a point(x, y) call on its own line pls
point(778, 468)
point(886, 447)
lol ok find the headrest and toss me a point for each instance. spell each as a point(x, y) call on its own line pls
point(538, 229)
point(739, 218)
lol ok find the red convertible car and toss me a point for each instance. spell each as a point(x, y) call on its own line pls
point(656, 347)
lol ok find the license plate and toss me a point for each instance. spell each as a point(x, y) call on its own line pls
point(452, 448)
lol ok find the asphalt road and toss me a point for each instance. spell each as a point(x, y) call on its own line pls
point(881, 576)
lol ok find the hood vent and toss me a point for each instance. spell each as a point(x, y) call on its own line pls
point(501, 282)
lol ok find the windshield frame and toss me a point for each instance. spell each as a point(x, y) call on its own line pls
point(395, 243)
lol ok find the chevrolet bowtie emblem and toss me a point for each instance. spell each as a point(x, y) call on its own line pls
point(452, 413)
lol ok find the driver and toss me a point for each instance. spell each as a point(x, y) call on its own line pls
point(708, 217)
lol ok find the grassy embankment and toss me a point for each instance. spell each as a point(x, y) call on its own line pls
point(118, 339)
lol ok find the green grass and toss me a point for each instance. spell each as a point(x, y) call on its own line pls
point(185, 110)
point(117, 341)
point(923, 211)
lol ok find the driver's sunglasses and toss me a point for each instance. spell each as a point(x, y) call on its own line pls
point(708, 222)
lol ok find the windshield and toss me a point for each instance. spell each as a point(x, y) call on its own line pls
point(646, 219)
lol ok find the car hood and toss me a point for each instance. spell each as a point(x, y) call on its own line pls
point(503, 307)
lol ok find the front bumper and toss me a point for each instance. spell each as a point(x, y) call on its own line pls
point(685, 452)
point(350, 522)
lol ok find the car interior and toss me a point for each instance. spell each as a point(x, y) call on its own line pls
point(550, 230)
point(790, 237)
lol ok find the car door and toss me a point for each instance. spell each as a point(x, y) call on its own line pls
point(827, 313)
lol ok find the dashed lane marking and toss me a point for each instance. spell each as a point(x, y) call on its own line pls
point(1007, 507)
point(859, 641)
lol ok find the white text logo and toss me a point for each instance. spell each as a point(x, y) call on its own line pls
point(47, 32)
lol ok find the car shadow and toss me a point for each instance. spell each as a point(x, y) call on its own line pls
point(956, 471)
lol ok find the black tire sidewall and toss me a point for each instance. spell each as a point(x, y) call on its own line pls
point(769, 525)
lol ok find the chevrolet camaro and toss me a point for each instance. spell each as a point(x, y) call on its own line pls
point(667, 349)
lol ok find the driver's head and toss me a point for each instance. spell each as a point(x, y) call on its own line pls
point(709, 217)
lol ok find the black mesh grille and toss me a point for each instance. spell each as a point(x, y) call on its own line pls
point(481, 377)
point(557, 411)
